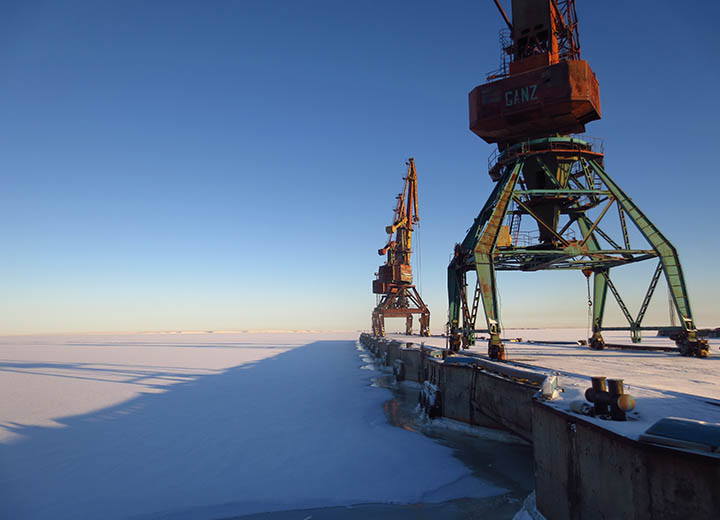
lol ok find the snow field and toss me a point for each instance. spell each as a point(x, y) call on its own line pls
point(204, 426)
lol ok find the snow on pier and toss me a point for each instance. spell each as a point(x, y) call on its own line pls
point(664, 384)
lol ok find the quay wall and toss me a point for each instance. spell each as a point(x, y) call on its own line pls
point(582, 471)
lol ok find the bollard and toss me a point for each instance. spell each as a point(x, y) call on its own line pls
point(615, 398)
point(622, 402)
point(598, 385)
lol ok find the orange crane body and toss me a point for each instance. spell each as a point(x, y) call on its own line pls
point(400, 297)
point(547, 88)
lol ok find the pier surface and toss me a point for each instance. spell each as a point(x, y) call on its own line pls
point(585, 466)
point(665, 384)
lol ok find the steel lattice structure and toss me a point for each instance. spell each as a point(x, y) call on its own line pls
point(558, 181)
point(400, 298)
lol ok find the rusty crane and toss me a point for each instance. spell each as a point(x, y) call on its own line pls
point(547, 176)
point(400, 298)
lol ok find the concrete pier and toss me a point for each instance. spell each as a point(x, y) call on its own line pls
point(582, 470)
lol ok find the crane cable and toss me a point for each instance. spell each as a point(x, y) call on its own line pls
point(417, 239)
point(500, 313)
point(419, 259)
point(590, 305)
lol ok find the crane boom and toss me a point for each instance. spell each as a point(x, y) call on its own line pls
point(404, 219)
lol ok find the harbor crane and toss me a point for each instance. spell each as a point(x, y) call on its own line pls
point(393, 281)
point(532, 108)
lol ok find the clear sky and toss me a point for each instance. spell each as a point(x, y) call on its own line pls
point(232, 165)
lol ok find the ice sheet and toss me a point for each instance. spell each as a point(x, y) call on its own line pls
point(204, 426)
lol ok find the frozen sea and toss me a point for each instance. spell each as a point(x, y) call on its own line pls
point(218, 425)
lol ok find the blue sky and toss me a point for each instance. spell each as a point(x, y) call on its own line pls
point(232, 165)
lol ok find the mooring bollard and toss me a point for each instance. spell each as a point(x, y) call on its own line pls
point(598, 385)
point(623, 402)
point(613, 396)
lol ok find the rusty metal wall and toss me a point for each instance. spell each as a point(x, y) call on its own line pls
point(605, 475)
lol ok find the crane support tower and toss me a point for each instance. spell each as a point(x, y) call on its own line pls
point(394, 279)
point(546, 176)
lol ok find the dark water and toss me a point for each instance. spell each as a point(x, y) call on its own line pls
point(494, 456)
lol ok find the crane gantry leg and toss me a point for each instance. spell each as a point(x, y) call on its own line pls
point(401, 301)
point(574, 187)
point(477, 251)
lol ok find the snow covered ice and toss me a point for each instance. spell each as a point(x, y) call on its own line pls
point(205, 426)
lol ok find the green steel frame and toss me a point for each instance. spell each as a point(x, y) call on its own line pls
point(545, 179)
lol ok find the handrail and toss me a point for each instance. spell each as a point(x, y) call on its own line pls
point(571, 143)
